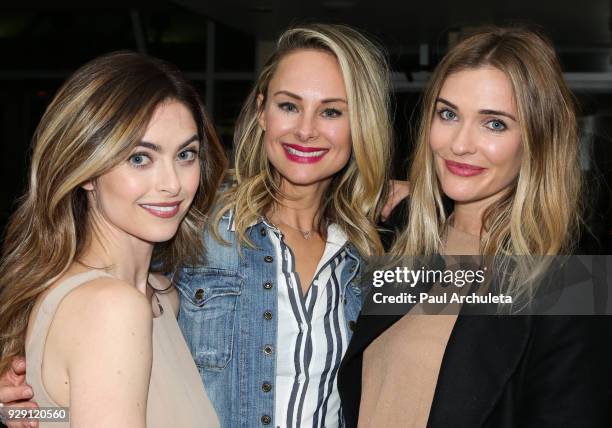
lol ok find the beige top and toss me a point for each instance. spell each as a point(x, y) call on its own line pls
point(176, 395)
point(401, 367)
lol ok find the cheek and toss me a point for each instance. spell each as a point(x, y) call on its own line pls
point(505, 153)
point(439, 137)
point(277, 123)
point(190, 179)
point(337, 133)
point(120, 187)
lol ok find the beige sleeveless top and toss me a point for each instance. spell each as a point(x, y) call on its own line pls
point(176, 395)
point(401, 366)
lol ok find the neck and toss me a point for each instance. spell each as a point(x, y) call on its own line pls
point(124, 256)
point(300, 205)
point(468, 216)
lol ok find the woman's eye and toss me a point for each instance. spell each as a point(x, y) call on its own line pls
point(288, 107)
point(331, 112)
point(446, 114)
point(496, 125)
point(187, 155)
point(139, 160)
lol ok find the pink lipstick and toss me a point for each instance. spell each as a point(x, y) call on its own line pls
point(463, 169)
point(301, 154)
point(163, 209)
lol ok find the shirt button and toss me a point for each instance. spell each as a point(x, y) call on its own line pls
point(265, 419)
point(266, 387)
point(262, 231)
point(352, 325)
point(267, 315)
point(301, 378)
point(267, 285)
point(199, 294)
point(267, 349)
point(268, 259)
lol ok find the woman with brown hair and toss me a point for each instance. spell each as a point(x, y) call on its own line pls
point(124, 158)
point(498, 142)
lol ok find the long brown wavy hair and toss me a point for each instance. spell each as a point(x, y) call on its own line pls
point(92, 125)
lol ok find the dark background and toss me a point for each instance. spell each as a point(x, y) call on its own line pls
point(221, 44)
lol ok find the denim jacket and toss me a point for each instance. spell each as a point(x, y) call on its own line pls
point(228, 317)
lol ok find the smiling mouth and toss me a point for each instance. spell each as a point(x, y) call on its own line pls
point(164, 210)
point(302, 154)
point(463, 169)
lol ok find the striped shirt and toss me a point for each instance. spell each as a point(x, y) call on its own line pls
point(312, 337)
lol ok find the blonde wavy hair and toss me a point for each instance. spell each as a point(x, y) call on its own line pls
point(92, 125)
point(540, 213)
point(352, 199)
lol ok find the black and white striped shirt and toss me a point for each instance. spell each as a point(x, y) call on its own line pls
point(312, 337)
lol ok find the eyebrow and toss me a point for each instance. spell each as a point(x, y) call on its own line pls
point(157, 148)
point(297, 97)
point(484, 111)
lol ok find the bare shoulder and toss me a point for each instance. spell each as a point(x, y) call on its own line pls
point(103, 304)
point(164, 283)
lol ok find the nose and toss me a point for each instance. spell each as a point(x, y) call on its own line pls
point(306, 128)
point(464, 141)
point(168, 180)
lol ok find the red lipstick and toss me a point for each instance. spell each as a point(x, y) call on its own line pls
point(301, 154)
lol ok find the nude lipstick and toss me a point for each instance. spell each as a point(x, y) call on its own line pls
point(463, 169)
point(163, 209)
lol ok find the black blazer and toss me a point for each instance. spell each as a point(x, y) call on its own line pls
point(498, 372)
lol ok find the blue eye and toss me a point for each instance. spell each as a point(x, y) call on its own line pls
point(447, 114)
point(187, 155)
point(331, 113)
point(288, 107)
point(139, 160)
point(496, 125)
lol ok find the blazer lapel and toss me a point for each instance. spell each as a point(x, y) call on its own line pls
point(482, 354)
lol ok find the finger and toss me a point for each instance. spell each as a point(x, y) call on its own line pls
point(9, 394)
point(387, 209)
point(19, 366)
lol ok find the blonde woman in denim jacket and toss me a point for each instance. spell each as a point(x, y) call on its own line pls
point(268, 316)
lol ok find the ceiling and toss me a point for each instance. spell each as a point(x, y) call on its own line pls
point(398, 23)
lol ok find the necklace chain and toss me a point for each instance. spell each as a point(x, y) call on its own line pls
point(306, 234)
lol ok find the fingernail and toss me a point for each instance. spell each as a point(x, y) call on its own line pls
point(27, 392)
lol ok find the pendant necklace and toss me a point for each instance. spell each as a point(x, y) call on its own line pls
point(305, 233)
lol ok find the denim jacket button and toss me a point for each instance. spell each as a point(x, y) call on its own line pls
point(199, 294)
point(262, 231)
point(267, 315)
point(267, 349)
point(266, 387)
point(265, 419)
point(267, 285)
point(268, 259)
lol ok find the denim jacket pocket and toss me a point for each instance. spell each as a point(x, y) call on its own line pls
point(208, 314)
